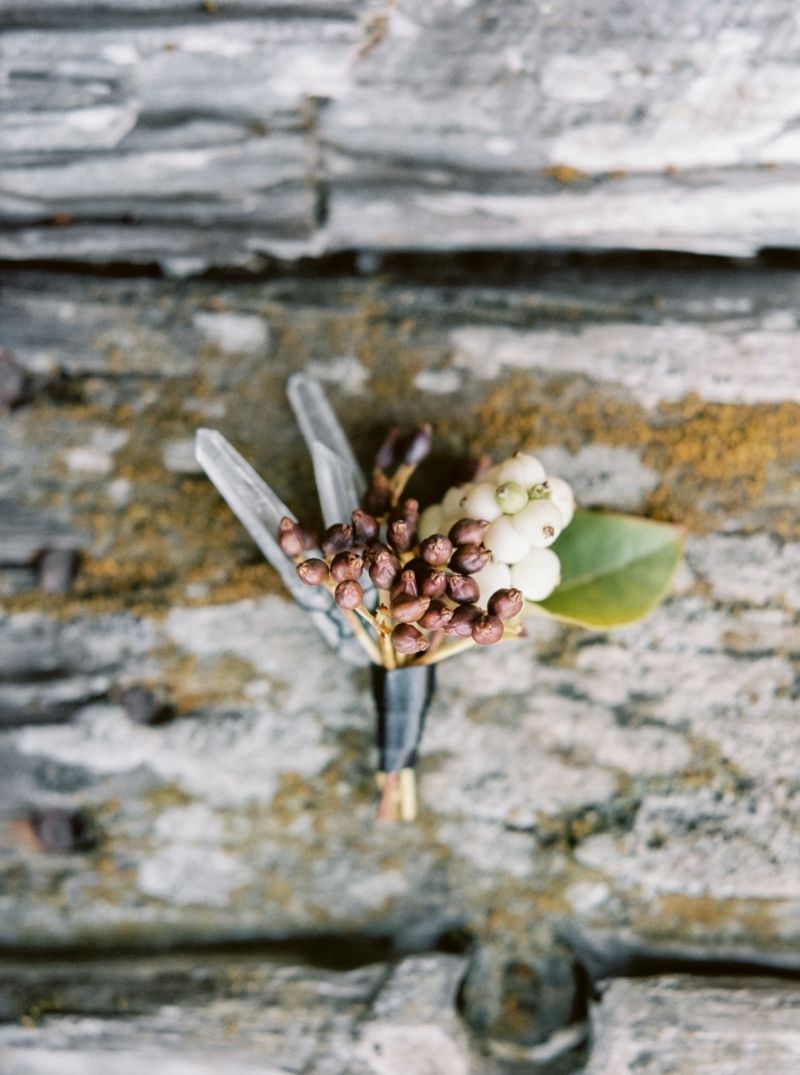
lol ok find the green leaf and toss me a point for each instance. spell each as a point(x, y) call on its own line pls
point(614, 568)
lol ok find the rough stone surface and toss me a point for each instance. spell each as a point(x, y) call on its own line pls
point(190, 135)
point(642, 780)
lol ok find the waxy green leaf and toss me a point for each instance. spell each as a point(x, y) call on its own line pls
point(614, 569)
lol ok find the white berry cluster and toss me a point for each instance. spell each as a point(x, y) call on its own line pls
point(526, 510)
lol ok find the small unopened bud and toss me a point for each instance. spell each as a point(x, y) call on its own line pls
point(433, 583)
point(365, 526)
point(407, 639)
point(337, 538)
point(373, 549)
point(511, 497)
point(378, 498)
point(384, 570)
point(291, 537)
point(418, 445)
point(401, 535)
point(347, 565)
point(468, 531)
point(463, 589)
point(506, 604)
point(467, 559)
point(437, 616)
point(436, 550)
point(406, 584)
point(348, 594)
point(487, 630)
point(462, 620)
point(408, 609)
point(313, 572)
point(408, 510)
point(418, 566)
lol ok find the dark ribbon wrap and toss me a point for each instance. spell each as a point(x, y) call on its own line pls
point(402, 697)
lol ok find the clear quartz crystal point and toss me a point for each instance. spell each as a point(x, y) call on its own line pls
point(260, 511)
point(338, 498)
point(339, 479)
point(320, 426)
point(336, 486)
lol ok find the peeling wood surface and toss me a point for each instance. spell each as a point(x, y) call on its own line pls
point(190, 136)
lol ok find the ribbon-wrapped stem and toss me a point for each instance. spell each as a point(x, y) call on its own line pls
point(402, 697)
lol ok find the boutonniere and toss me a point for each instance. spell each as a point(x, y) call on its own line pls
point(402, 589)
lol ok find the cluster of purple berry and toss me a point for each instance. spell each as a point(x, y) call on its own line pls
point(424, 588)
point(428, 590)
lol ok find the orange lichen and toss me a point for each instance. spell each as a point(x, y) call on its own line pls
point(565, 173)
point(714, 458)
point(176, 541)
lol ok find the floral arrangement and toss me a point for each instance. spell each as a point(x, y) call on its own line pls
point(457, 575)
point(404, 589)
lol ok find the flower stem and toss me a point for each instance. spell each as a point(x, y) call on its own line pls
point(364, 638)
point(436, 641)
point(400, 480)
point(443, 652)
point(408, 795)
point(398, 796)
point(387, 808)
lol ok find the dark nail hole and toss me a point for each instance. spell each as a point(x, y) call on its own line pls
point(61, 830)
point(57, 570)
point(14, 381)
point(145, 706)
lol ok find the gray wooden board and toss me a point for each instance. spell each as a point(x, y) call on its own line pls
point(696, 1027)
point(198, 1015)
point(131, 130)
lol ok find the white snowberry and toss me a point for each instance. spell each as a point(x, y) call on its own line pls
point(562, 496)
point(495, 576)
point(451, 504)
point(523, 468)
point(480, 502)
point(506, 542)
point(540, 523)
point(537, 575)
point(511, 497)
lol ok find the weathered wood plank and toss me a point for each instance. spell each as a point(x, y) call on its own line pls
point(493, 125)
point(694, 1026)
point(646, 777)
point(58, 13)
point(161, 132)
point(25, 534)
point(301, 128)
point(202, 1015)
